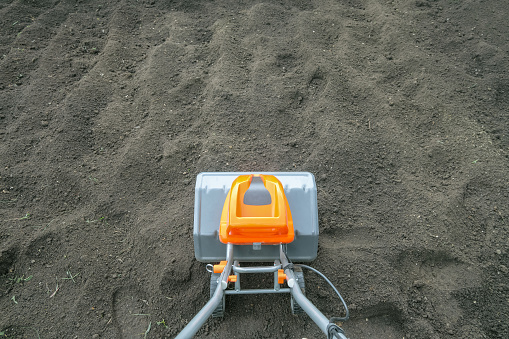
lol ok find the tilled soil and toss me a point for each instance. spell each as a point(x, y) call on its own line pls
point(109, 110)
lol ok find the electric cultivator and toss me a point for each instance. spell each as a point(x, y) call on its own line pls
point(267, 217)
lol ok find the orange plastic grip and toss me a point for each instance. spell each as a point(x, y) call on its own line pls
point(242, 223)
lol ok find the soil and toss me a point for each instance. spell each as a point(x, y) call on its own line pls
point(109, 110)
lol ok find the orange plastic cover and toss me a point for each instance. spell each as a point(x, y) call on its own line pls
point(247, 224)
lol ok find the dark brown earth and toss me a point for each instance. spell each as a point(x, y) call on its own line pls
point(109, 110)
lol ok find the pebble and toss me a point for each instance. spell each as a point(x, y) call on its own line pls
point(418, 283)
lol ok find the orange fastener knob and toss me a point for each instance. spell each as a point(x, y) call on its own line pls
point(219, 267)
point(232, 278)
point(281, 276)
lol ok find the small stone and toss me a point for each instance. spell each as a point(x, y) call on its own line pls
point(114, 276)
point(95, 336)
point(498, 252)
point(44, 123)
point(418, 283)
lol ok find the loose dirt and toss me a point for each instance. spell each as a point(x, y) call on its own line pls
point(109, 110)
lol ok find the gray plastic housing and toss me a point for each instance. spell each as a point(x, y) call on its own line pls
point(210, 193)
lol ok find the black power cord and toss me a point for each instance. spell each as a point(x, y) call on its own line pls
point(333, 319)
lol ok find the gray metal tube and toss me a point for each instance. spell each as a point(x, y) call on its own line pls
point(199, 319)
point(257, 291)
point(311, 310)
point(259, 269)
point(308, 307)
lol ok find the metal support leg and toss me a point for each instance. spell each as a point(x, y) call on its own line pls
point(199, 319)
point(308, 307)
point(277, 263)
point(237, 283)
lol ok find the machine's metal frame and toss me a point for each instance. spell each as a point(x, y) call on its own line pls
point(293, 288)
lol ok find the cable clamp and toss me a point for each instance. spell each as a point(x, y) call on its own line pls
point(333, 330)
point(289, 265)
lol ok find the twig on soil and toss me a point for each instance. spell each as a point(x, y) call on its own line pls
point(148, 330)
point(22, 31)
point(26, 217)
point(40, 226)
point(71, 277)
point(56, 290)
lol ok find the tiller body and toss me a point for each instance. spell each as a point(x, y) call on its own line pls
point(263, 217)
